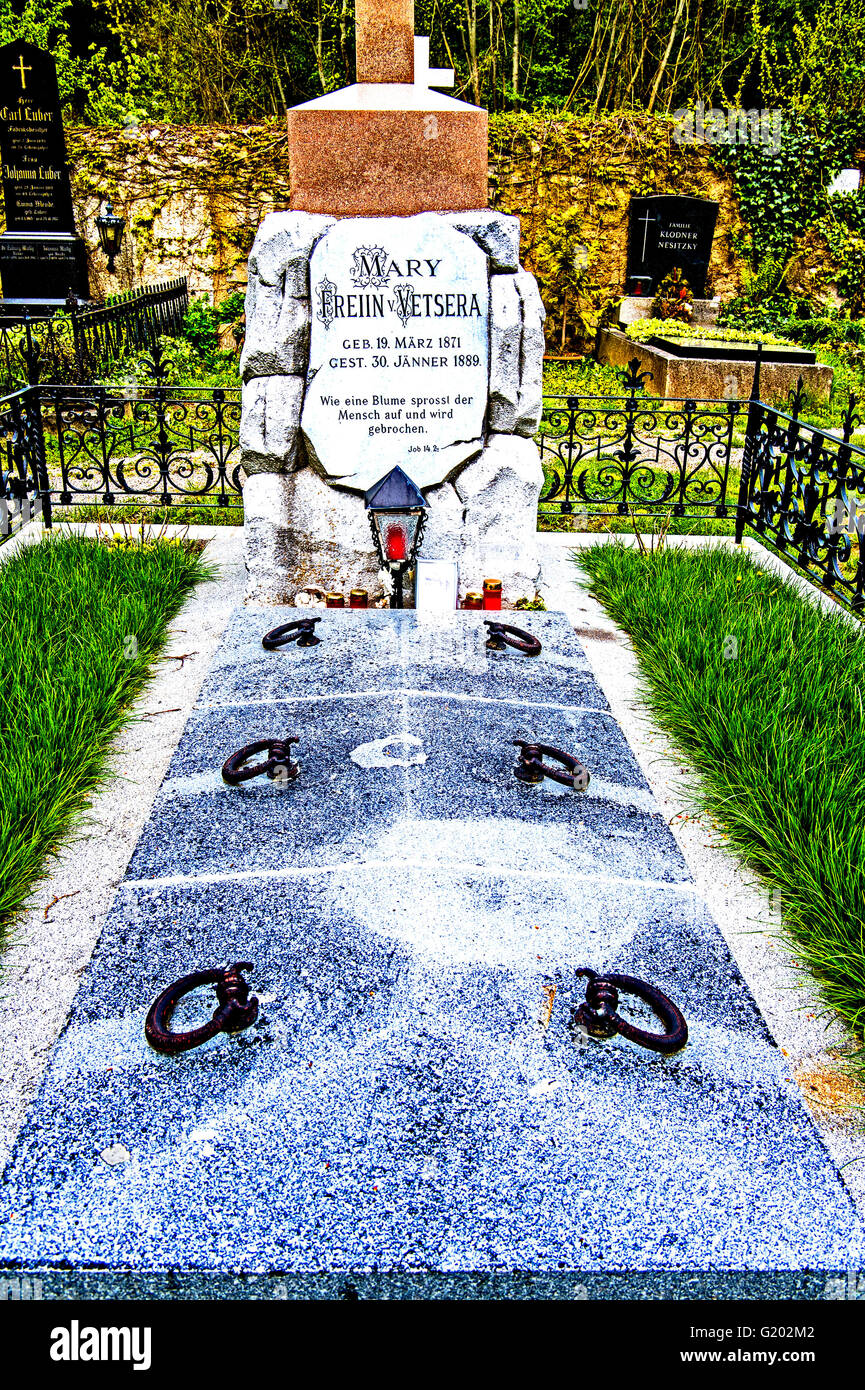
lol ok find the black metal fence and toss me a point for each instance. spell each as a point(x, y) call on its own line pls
point(802, 491)
point(611, 455)
point(75, 346)
point(799, 488)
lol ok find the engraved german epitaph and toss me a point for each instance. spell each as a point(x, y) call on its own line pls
point(667, 231)
point(41, 258)
point(399, 352)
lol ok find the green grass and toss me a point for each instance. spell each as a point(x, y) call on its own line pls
point(776, 734)
point(68, 672)
point(131, 514)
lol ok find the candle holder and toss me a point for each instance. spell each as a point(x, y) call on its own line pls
point(397, 513)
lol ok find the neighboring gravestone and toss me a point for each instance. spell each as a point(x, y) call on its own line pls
point(41, 258)
point(666, 231)
point(399, 353)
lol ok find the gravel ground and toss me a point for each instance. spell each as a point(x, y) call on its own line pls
point(53, 941)
point(813, 1042)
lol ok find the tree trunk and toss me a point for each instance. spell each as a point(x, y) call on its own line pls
point(515, 68)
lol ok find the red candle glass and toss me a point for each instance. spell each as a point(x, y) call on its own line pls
point(492, 594)
point(395, 548)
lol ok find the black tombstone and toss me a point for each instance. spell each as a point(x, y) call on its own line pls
point(665, 231)
point(41, 258)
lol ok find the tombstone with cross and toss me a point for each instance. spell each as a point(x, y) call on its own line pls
point(41, 258)
point(668, 230)
point(389, 324)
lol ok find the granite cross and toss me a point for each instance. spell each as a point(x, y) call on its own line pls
point(387, 49)
point(385, 40)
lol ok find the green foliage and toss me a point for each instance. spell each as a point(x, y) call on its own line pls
point(776, 733)
point(674, 299)
point(843, 226)
point(644, 329)
point(203, 320)
point(221, 61)
point(68, 672)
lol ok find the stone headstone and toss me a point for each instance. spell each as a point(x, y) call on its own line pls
point(399, 350)
point(666, 231)
point(41, 258)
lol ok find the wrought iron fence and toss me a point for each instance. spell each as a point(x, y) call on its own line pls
point(150, 446)
point(25, 491)
point(803, 492)
point(75, 346)
point(799, 488)
point(610, 455)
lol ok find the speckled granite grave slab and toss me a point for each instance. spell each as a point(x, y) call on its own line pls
point(409, 1117)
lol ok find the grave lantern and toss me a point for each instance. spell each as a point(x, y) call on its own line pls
point(110, 234)
point(397, 512)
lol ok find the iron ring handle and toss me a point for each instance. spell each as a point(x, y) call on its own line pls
point(531, 762)
point(302, 631)
point(521, 641)
point(600, 1017)
point(279, 755)
point(235, 1009)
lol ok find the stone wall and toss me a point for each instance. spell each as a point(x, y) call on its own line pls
point(195, 196)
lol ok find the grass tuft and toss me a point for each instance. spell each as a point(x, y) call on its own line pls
point(81, 624)
point(764, 694)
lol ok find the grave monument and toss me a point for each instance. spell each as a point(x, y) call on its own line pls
point(389, 323)
point(41, 258)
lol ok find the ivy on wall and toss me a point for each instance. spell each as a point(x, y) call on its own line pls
point(194, 197)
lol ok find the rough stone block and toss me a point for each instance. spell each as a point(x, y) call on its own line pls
point(506, 328)
point(495, 232)
point(282, 248)
point(320, 539)
point(530, 401)
point(277, 332)
point(270, 423)
point(443, 528)
point(500, 493)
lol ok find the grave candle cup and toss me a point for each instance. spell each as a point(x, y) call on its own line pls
point(473, 601)
point(492, 594)
point(395, 543)
point(335, 601)
point(358, 598)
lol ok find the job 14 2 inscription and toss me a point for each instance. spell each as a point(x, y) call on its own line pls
point(399, 350)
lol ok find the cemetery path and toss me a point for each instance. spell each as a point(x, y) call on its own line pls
point(413, 1108)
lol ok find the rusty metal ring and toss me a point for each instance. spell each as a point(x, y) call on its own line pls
point(599, 1016)
point(278, 757)
point(301, 631)
point(498, 639)
point(235, 1009)
point(532, 769)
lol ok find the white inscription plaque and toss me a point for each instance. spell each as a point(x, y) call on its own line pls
point(399, 351)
